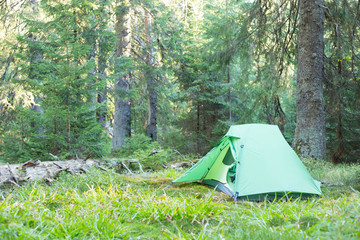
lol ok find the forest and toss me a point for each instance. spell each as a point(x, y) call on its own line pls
point(81, 78)
point(145, 88)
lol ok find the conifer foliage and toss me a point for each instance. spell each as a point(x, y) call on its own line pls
point(58, 69)
point(86, 78)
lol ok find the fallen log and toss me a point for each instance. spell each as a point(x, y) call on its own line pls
point(14, 174)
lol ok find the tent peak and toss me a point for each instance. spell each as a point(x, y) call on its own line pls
point(243, 129)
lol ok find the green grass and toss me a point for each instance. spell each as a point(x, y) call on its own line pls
point(106, 205)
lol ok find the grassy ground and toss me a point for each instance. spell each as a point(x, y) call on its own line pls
point(106, 205)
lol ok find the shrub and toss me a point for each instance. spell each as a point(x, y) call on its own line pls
point(151, 155)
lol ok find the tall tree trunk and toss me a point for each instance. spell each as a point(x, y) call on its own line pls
point(102, 94)
point(309, 137)
point(228, 66)
point(101, 75)
point(229, 92)
point(92, 100)
point(197, 127)
point(36, 57)
point(337, 155)
point(151, 130)
point(122, 114)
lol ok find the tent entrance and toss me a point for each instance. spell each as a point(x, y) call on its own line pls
point(228, 159)
point(219, 169)
point(219, 172)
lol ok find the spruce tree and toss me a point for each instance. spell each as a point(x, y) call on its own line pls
point(63, 78)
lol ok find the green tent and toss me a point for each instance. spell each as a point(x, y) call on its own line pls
point(254, 162)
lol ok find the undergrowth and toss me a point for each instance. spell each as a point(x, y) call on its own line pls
point(151, 155)
point(107, 205)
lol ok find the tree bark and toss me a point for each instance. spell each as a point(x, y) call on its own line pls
point(197, 127)
point(309, 139)
point(16, 174)
point(101, 74)
point(102, 94)
point(93, 96)
point(228, 67)
point(229, 92)
point(151, 130)
point(122, 114)
point(337, 155)
point(36, 56)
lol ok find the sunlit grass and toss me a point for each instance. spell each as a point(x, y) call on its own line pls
point(107, 205)
point(340, 174)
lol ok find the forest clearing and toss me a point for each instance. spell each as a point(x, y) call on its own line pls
point(112, 112)
point(108, 205)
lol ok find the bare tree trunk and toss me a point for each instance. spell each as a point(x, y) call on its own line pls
point(197, 127)
point(92, 74)
point(122, 114)
point(101, 75)
point(309, 139)
point(151, 130)
point(102, 95)
point(228, 67)
point(68, 128)
point(36, 57)
point(229, 92)
point(337, 155)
